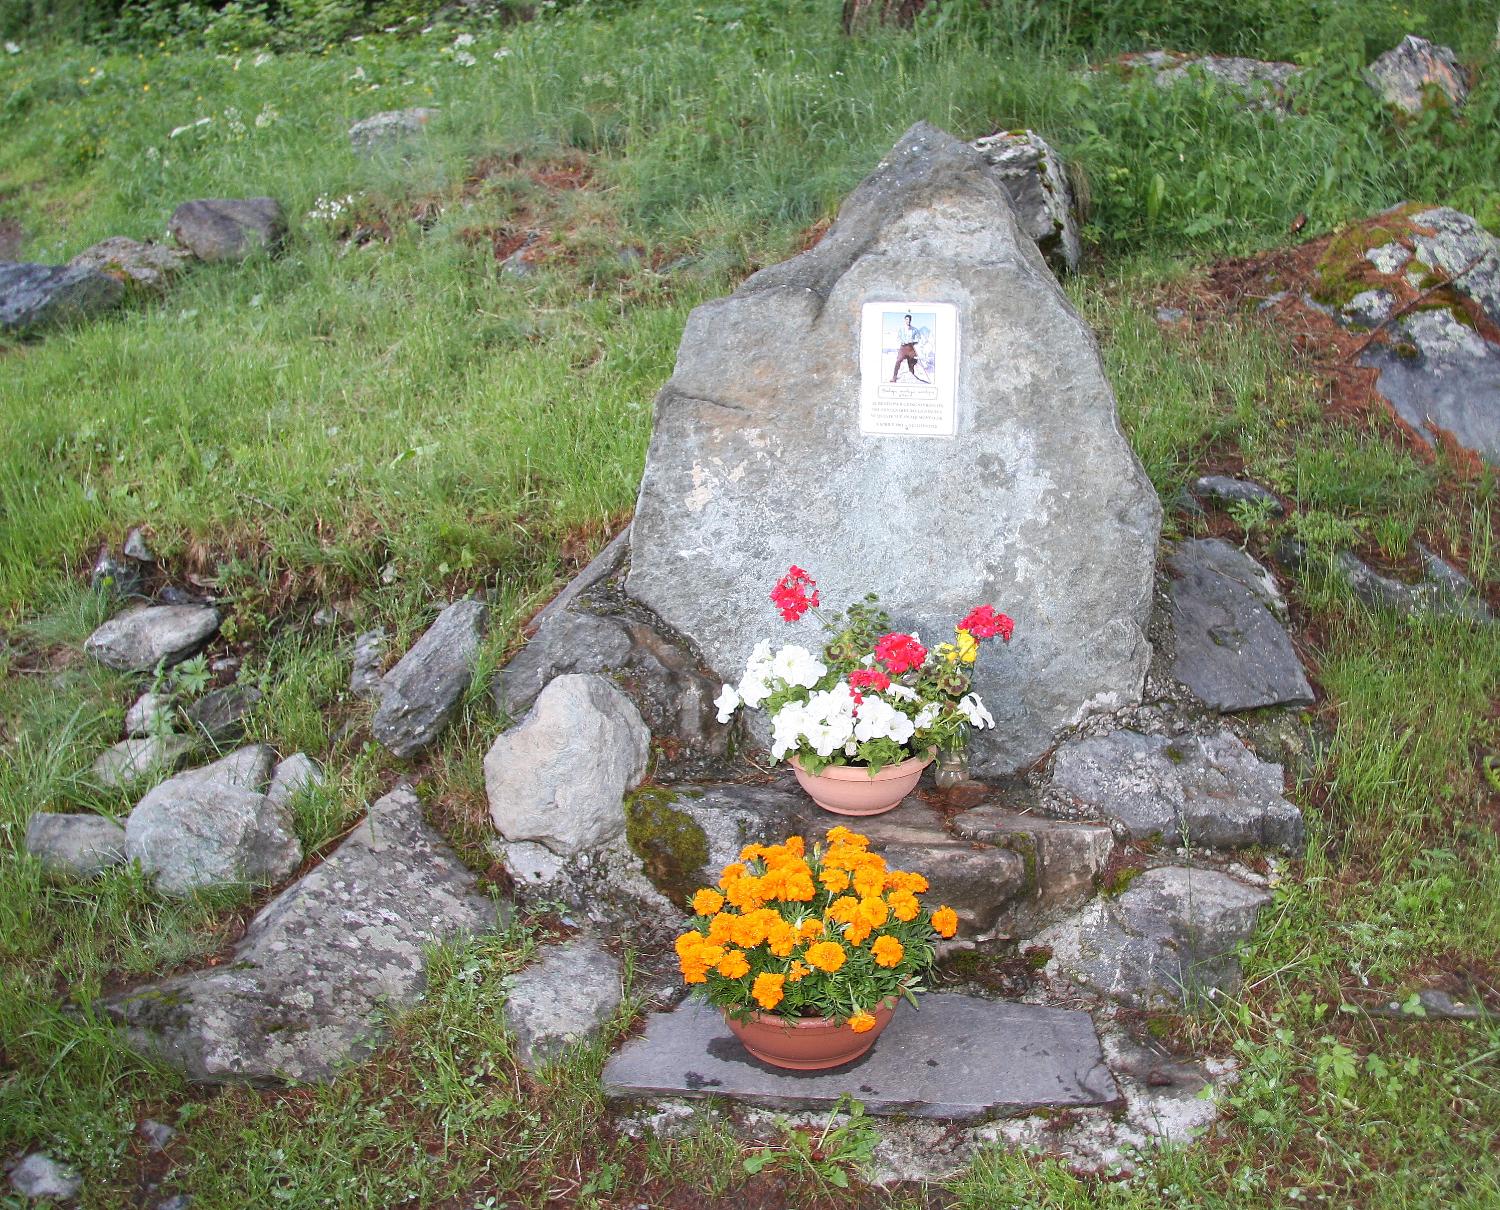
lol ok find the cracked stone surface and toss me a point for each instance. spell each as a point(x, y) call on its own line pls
point(1037, 185)
point(319, 964)
point(149, 266)
point(1412, 65)
point(751, 469)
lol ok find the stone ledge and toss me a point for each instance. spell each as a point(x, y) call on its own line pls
point(959, 1058)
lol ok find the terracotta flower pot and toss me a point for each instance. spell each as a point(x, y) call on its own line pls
point(811, 1044)
point(850, 790)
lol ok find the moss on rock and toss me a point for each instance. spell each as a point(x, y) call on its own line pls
point(671, 845)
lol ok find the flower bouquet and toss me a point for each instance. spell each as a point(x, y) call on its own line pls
point(806, 954)
point(861, 720)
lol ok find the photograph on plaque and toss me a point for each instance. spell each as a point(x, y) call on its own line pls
point(908, 369)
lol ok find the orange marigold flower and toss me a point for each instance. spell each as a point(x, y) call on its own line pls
point(797, 972)
point(810, 929)
point(888, 951)
point(873, 911)
point(856, 933)
point(721, 928)
point(826, 955)
point(732, 873)
point(782, 938)
point(751, 852)
point(733, 965)
point(706, 902)
point(842, 835)
point(945, 921)
point(861, 1022)
point(904, 905)
point(688, 943)
point(834, 880)
point(844, 909)
point(797, 845)
point(798, 888)
point(692, 970)
point(767, 990)
point(869, 882)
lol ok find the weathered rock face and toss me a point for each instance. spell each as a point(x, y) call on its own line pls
point(757, 461)
point(1202, 790)
point(38, 296)
point(221, 714)
point(1037, 184)
point(247, 768)
point(393, 128)
point(319, 962)
point(1172, 934)
point(149, 266)
point(560, 775)
point(148, 714)
point(369, 653)
point(562, 1000)
point(1260, 79)
point(228, 229)
point(419, 695)
point(1412, 65)
point(1444, 590)
point(1229, 647)
point(80, 845)
point(293, 776)
point(1228, 490)
point(140, 640)
point(135, 760)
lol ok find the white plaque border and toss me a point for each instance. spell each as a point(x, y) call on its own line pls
point(876, 364)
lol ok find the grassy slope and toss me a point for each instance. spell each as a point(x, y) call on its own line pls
point(291, 428)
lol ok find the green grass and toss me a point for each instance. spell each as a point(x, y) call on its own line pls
point(383, 429)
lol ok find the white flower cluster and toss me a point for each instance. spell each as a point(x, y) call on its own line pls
point(326, 208)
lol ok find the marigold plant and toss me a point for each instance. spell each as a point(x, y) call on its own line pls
point(831, 933)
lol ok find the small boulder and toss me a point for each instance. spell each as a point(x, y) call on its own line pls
point(149, 714)
point(1172, 934)
point(295, 774)
point(228, 229)
point(79, 845)
point(39, 296)
point(1230, 649)
point(392, 128)
point(42, 1178)
point(1210, 791)
point(560, 776)
point(369, 654)
point(148, 266)
point(562, 1000)
point(1228, 490)
point(1443, 592)
point(1034, 177)
point(134, 760)
point(143, 638)
point(247, 768)
point(419, 695)
point(1403, 74)
point(221, 714)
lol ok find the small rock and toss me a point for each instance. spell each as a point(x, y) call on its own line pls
point(1402, 74)
point(1384, 592)
point(390, 129)
point(294, 775)
point(247, 768)
point(157, 1134)
point(221, 714)
point(1034, 177)
point(149, 266)
point(563, 999)
point(419, 695)
point(134, 760)
point(1388, 258)
point(224, 665)
point(39, 296)
point(140, 640)
point(1170, 315)
point(80, 845)
point(1173, 933)
point(43, 1178)
point(1370, 308)
point(369, 654)
point(228, 229)
point(122, 577)
point(560, 775)
point(1230, 649)
point(528, 862)
point(148, 715)
point(1440, 573)
point(1265, 81)
point(136, 548)
point(1228, 490)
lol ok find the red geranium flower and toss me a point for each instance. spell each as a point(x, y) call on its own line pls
point(899, 653)
point(984, 623)
point(869, 678)
point(791, 596)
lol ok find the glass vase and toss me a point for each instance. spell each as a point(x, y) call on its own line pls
point(951, 769)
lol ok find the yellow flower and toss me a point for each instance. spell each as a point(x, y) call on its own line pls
point(781, 937)
point(810, 929)
point(948, 653)
point(707, 902)
point(861, 1022)
point(856, 933)
point(826, 955)
point(721, 928)
point(888, 951)
point(733, 965)
point(945, 921)
point(869, 882)
point(968, 647)
point(768, 990)
point(843, 836)
point(732, 874)
point(843, 909)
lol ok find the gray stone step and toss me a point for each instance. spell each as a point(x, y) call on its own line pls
point(959, 1058)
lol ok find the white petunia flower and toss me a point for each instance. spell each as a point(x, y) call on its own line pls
point(900, 692)
point(878, 719)
point(798, 666)
point(926, 716)
point(728, 702)
point(973, 710)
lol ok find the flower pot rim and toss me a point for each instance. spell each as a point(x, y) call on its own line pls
point(852, 772)
point(888, 1005)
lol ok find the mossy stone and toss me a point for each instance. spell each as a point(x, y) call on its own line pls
point(671, 845)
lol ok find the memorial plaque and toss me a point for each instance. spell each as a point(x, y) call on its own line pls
point(908, 366)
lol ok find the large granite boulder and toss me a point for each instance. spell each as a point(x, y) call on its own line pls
point(228, 229)
point(1210, 791)
point(560, 776)
point(1229, 646)
point(1173, 934)
point(419, 695)
point(141, 639)
point(320, 963)
point(1404, 73)
point(1038, 506)
point(1037, 184)
point(38, 296)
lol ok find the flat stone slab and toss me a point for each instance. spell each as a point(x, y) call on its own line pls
point(958, 1058)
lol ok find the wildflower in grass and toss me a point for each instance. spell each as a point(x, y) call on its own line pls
point(464, 59)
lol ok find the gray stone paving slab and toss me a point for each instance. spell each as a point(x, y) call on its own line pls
point(958, 1057)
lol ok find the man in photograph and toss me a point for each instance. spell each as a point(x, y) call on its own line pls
point(908, 337)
